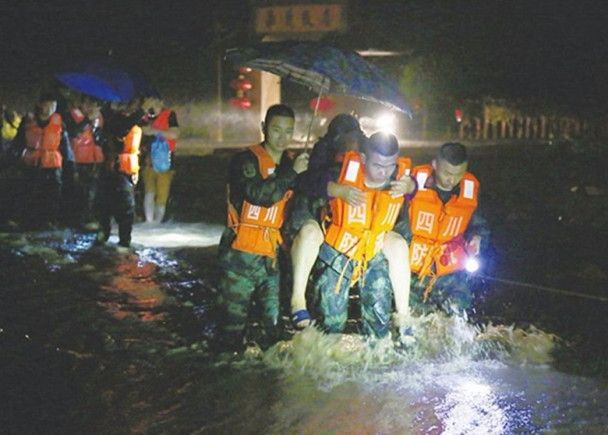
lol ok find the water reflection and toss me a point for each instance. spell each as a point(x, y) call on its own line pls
point(459, 378)
point(471, 408)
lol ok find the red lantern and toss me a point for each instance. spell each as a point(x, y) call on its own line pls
point(241, 102)
point(241, 84)
point(458, 114)
point(244, 70)
point(325, 104)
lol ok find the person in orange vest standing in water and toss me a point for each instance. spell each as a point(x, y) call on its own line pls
point(43, 144)
point(445, 231)
point(260, 183)
point(120, 172)
point(85, 129)
point(352, 251)
point(161, 131)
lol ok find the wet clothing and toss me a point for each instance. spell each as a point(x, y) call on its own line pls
point(352, 253)
point(116, 193)
point(87, 140)
point(310, 193)
point(116, 199)
point(10, 126)
point(163, 121)
point(244, 275)
point(452, 288)
point(42, 183)
point(322, 168)
point(159, 183)
point(332, 283)
point(156, 183)
point(477, 226)
point(450, 293)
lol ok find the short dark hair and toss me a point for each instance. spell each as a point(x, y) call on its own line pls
point(454, 153)
point(278, 110)
point(385, 144)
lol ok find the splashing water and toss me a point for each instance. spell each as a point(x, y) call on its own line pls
point(336, 358)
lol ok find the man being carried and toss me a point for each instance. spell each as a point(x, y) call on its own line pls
point(352, 249)
point(259, 186)
point(315, 188)
point(444, 229)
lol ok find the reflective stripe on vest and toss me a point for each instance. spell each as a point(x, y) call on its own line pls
point(128, 159)
point(358, 232)
point(161, 122)
point(42, 144)
point(438, 228)
point(258, 228)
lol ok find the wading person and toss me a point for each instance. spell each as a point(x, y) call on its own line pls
point(43, 144)
point(161, 131)
point(260, 183)
point(10, 125)
point(444, 229)
point(116, 194)
point(351, 253)
point(10, 177)
point(315, 189)
point(84, 126)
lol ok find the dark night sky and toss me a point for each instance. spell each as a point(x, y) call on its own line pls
point(547, 49)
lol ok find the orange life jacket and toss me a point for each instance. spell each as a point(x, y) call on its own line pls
point(258, 228)
point(42, 144)
point(438, 228)
point(84, 147)
point(161, 122)
point(358, 232)
point(128, 159)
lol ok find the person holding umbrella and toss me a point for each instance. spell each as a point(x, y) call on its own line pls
point(260, 183)
point(120, 171)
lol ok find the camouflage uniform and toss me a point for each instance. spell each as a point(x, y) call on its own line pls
point(452, 290)
point(375, 292)
point(244, 274)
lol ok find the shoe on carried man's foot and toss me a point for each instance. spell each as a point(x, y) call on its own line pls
point(301, 319)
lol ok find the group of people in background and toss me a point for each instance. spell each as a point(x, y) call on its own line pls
point(78, 164)
point(355, 214)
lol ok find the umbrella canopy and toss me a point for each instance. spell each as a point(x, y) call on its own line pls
point(106, 82)
point(322, 68)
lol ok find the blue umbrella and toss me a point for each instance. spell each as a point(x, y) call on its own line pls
point(106, 82)
point(324, 69)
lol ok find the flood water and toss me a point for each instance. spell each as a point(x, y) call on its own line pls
point(97, 341)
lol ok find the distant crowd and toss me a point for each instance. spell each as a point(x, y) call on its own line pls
point(75, 161)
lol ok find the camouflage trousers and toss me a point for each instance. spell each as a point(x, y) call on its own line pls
point(332, 281)
point(247, 277)
point(449, 293)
